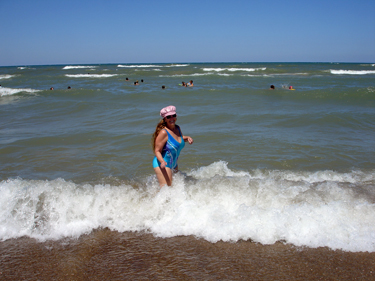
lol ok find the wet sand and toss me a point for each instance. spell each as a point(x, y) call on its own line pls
point(109, 255)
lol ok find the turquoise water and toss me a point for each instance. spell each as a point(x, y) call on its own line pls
point(282, 148)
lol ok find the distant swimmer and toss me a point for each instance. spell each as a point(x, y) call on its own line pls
point(51, 88)
point(126, 79)
point(136, 83)
point(291, 88)
point(183, 84)
point(272, 87)
point(142, 80)
point(69, 87)
point(190, 84)
point(163, 87)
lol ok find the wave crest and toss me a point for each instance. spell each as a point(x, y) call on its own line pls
point(90, 75)
point(10, 91)
point(320, 209)
point(234, 69)
point(78, 66)
point(351, 72)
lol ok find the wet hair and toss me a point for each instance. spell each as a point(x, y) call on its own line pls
point(272, 87)
point(160, 126)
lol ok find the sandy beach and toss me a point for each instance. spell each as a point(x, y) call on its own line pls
point(109, 255)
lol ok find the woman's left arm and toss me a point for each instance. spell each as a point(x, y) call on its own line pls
point(188, 139)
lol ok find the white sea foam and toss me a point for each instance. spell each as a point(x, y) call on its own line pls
point(352, 72)
point(275, 74)
point(186, 75)
point(151, 65)
point(10, 91)
point(24, 67)
point(177, 65)
point(139, 65)
point(90, 75)
point(246, 69)
point(214, 203)
point(213, 69)
point(256, 75)
point(6, 76)
point(234, 69)
point(224, 74)
point(148, 70)
point(78, 67)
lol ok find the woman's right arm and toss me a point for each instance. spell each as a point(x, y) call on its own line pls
point(160, 141)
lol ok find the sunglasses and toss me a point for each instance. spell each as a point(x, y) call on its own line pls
point(170, 116)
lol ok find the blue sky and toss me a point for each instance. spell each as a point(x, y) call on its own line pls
point(42, 32)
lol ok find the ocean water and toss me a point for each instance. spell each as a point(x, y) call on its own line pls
point(267, 166)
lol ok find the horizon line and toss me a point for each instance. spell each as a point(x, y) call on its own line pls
point(218, 62)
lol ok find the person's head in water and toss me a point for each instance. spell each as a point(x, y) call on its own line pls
point(272, 87)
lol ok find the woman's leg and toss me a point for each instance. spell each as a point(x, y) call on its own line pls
point(164, 176)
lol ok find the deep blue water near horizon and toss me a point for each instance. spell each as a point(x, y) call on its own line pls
point(302, 160)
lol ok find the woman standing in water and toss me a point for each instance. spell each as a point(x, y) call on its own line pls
point(167, 143)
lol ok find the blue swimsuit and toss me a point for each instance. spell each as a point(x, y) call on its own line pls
point(170, 152)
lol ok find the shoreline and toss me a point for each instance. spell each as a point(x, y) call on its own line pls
point(105, 254)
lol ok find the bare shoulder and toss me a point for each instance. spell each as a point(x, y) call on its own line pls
point(163, 134)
